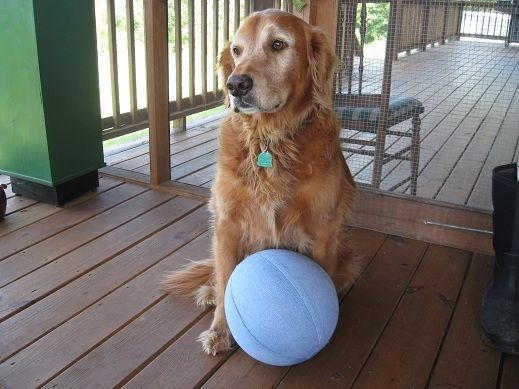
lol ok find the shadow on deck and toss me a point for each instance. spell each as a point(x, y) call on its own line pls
point(80, 306)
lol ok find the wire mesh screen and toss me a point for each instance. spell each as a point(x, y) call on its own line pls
point(427, 94)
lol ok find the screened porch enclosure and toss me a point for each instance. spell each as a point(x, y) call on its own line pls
point(470, 124)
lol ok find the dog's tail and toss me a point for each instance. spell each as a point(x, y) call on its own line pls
point(187, 280)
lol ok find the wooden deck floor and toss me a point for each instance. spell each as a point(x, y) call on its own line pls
point(470, 91)
point(80, 308)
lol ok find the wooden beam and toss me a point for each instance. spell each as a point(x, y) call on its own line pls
point(156, 25)
point(417, 218)
point(321, 13)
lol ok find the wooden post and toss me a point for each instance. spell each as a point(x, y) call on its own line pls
point(398, 27)
point(179, 125)
point(156, 25)
point(322, 13)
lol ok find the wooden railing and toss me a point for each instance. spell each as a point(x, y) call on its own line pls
point(482, 21)
point(420, 23)
point(214, 18)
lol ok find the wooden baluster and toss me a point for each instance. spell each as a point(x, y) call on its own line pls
point(215, 48)
point(398, 28)
point(363, 29)
point(351, 13)
point(203, 41)
point(114, 72)
point(236, 14)
point(495, 23)
point(341, 49)
point(489, 17)
point(225, 20)
point(191, 37)
point(178, 53)
point(130, 38)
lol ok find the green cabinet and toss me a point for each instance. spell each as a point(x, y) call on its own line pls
point(49, 95)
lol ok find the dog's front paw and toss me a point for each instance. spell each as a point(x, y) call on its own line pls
point(215, 341)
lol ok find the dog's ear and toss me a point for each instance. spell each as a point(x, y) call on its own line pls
point(322, 59)
point(225, 64)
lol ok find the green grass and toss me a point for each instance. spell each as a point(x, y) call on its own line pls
point(138, 135)
point(125, 138)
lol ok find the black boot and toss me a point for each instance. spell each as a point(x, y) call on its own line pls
point(500, 318)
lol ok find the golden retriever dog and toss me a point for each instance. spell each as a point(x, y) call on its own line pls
point(278, 82)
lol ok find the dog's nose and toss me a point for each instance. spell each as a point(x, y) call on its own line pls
point(239, 85)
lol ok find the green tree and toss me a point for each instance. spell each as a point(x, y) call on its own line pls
point(376, 21)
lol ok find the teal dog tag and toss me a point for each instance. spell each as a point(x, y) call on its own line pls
point(264, 159)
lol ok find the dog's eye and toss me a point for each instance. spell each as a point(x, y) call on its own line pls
point(236, 50)
point(278, 45)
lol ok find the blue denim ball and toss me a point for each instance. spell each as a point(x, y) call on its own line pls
point(281, 307)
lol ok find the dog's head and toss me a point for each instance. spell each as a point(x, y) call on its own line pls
point(276, 62)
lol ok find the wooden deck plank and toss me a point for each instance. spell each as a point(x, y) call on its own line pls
point(16, 203)
point(180, 171)
point(405, 353)
point(39, 211)
point(444, 158)
point(144, 159)
point(185, 156)
point(64, 220)
point(501, 152)
point(200, 177)
point(363, 316)
point(510, 375)
point(460, 181)
point(175, 138)
point(52, 311)
point(45, 280)
point(49, 250)
point(453, 368)
point(144, 337)
point(183, 365)
point(84, 332)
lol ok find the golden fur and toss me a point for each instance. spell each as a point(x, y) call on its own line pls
point(303, 201)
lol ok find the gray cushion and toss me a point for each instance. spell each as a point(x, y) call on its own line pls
point(398, 106)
